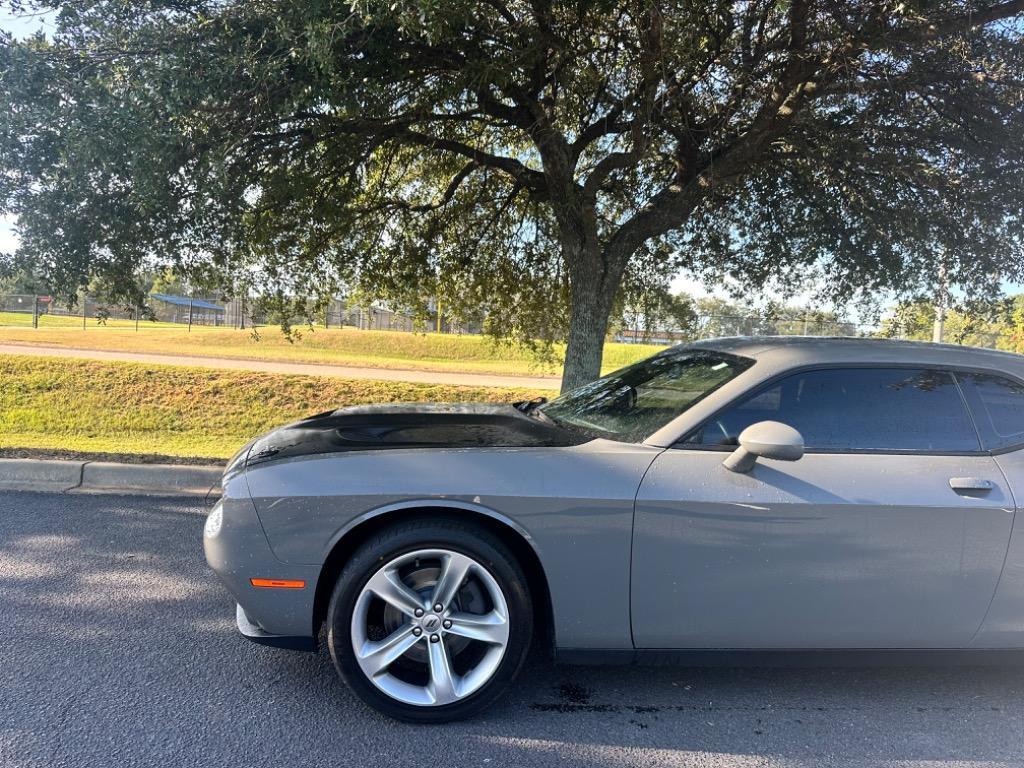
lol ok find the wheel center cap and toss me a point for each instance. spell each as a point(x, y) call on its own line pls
point(431, 622)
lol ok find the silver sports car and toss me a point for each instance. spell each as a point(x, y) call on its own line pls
point(747, 500)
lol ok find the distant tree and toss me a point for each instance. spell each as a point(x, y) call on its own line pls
point(167, 281)
point(796, 320)
point(1013, 339)
point(912, 319)
point(676, 312)
point(20, 280)
point(977, 323)
point(658, 309)
point(527, 157)
point(722, 317)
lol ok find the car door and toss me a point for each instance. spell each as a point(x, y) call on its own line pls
point(890, 532)
point(997, 404)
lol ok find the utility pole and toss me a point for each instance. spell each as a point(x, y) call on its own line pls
point(438, 314)
point(941, 300)
point(190, 314)
point(35, 311)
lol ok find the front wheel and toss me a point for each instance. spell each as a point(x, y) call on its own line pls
point(430, 621)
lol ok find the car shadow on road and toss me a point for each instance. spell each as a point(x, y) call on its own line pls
point(652, 716)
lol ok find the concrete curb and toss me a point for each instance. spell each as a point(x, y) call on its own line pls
point(108, 477)
point(40, 474)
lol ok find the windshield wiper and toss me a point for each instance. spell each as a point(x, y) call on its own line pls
point(532, 408)
point(529, 406)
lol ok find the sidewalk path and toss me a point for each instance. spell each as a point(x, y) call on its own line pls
point(304, 369)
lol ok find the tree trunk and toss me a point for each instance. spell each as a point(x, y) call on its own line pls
point(592, 293)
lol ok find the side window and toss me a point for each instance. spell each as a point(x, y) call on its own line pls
point(857, 409)
point(998, 407)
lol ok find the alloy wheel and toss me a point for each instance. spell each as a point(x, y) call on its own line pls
point(430, 627)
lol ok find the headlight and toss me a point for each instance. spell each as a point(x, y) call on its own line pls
point(214, 520)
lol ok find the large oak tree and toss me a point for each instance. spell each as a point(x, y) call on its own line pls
point(530, 159)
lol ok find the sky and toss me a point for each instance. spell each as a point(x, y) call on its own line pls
point(19, 26)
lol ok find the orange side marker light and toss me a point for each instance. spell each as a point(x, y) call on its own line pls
point(278, 583)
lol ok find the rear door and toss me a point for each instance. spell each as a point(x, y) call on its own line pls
point(889, 533)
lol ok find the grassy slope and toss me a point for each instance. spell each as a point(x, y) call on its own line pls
point(376, 349)
point(84, 405)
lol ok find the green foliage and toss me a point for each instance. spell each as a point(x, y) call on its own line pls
point(21, 281)
point(990, 323)
point(657, 309)
point(537, 164)
point(167, 282)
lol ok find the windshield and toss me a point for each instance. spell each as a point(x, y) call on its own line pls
point(634, 402)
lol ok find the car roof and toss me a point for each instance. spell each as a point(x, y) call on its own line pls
point(792, 351)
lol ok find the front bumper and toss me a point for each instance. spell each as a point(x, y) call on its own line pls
point(239, 551)
point(253, 631)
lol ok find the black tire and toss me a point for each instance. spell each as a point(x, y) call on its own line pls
point(447, 533)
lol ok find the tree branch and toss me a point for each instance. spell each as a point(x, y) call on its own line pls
point(529, 178)
point(644, 98)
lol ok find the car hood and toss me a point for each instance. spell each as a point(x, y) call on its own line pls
point(379, 427)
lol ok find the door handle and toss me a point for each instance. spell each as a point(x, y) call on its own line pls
point(976, 484)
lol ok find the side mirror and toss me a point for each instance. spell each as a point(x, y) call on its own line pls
point(767, 439)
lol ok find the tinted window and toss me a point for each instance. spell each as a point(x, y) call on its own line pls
point(634, 402)
point(998, 406)
point(857, 409)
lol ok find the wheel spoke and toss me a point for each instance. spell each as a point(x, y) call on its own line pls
point(389, 587)
point(489, 627)
point(454, 569)
point(376, 656)
point(442, 680)
point(405, 665)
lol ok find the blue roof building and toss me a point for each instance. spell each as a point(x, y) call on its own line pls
point(182, 309)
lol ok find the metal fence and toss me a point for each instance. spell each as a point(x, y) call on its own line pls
point(48, 312)
point(41, 311)
point(370, 319)
point(714, 326)
point(28, 311)
point(185, 312)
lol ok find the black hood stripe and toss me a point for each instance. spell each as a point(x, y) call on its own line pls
point(376, 428)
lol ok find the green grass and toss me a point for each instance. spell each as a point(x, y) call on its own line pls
point(375, 349)
point(102, 407)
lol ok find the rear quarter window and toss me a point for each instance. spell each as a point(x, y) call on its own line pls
point(997, 403)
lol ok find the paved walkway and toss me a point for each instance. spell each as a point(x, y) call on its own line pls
point(305, 369)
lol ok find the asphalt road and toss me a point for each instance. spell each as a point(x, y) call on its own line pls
point(117, 648)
